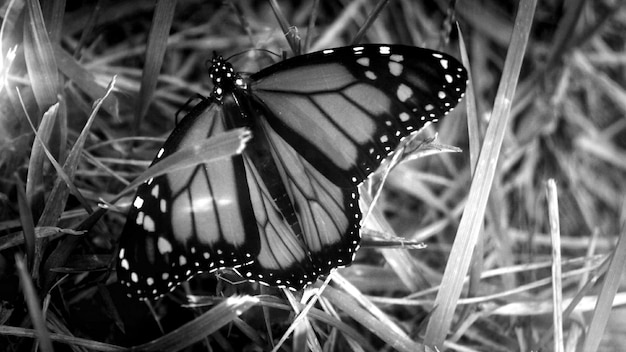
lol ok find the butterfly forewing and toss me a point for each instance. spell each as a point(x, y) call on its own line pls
point(196, 219)
point(346, 109)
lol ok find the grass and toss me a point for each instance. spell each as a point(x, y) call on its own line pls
point(529, 217)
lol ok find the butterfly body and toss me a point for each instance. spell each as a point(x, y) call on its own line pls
point(285, 211)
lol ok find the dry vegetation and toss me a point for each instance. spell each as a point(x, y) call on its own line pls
point(550, 109)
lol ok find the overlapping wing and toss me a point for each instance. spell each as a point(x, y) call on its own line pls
point(192, 220)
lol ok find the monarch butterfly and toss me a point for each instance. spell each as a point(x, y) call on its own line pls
point(285, 211)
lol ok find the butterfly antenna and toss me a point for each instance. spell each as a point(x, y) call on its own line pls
point(254, 49)
point(209, 62)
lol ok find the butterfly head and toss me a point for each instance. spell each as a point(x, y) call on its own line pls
point(224, 77)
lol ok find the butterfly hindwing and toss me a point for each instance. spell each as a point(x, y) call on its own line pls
point(326, 230)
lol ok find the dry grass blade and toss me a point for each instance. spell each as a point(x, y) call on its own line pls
point(472, 219)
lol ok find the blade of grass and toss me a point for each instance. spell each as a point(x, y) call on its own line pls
point(53, 13)
point(34, 309)
point(75, 72)
point(309, 32)
point(42, 67)
point(217, 147)
point(557, 277)
point(472, 219)
point(290, 33)
point(155, 52)
point(340, 25)
point(34, 176)
point(73, 341)
point(87, 31)
point(475, 141)
point(367, 304)
point(349, 306)
point(57, 199)
point(610, 285)
point(204, 325)
point(26, 219)
point(399, 259)
point(9, 22)
point(368, 22)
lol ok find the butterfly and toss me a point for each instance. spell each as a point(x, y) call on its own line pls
point(286, 210)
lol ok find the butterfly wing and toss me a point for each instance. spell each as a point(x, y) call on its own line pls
point(192, 220)
point(345, 109)
point(324, 234)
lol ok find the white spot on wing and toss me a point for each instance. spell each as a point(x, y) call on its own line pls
point(164, 245)
point(155, 191)
point(148, 224)
point(444, 63)
point(404, 117)
point(396, 58)
point(160, 153)
point(124, 264)
point(371, 75)
point(404, 92)
point(363, 61)
point(138, 203)
point(163, 205)
point(384, 50)
point(139, 219)
point(395, 68)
